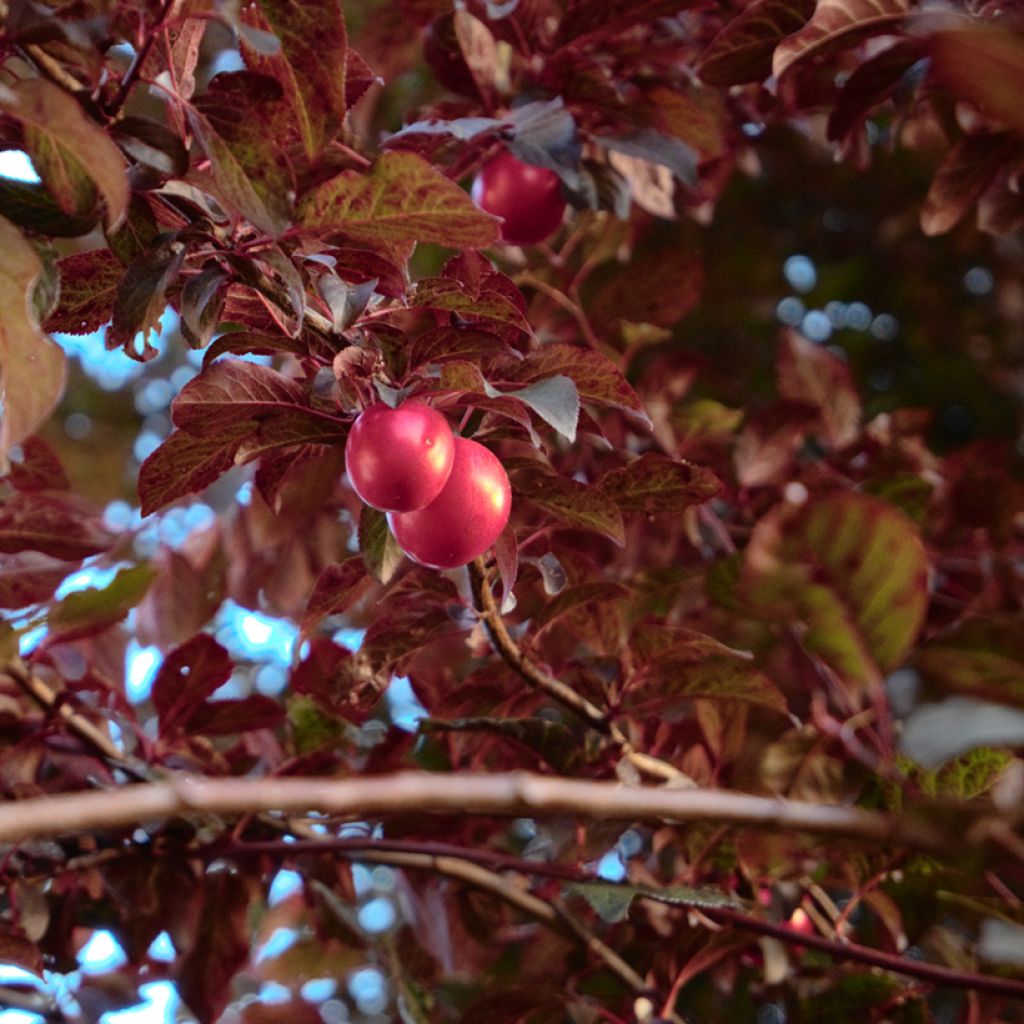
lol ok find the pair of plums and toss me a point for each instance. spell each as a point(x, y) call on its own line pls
point(447, 498)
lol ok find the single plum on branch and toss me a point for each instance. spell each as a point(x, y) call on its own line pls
point(467, 516)
point(527, 198)
point(398, 460)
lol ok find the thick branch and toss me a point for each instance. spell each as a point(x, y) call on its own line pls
point(513, 794)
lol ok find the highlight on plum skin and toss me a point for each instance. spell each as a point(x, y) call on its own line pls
point(527, 198)
point(399, 459)
point(465, 519)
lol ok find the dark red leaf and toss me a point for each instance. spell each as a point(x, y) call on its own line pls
point(227, 717)
point(38, 469)
point(187, 677)
point(88, 287)
point(60, 527)
point(338, 588)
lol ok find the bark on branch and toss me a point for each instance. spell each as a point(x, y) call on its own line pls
point(517, 794)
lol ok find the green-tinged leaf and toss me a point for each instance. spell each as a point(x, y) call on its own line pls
point(964, 174)
point(573, 503)
point(655, 643)
point(596, 377)
point(88, 288)
point(611, 900)
point(401, 199)
point(575, 597)
point(69, 142)
point(852, 569)
point(63, 176)
point(982, 63)
point(61, 527)
point(288, 428)
point(968, 777)
point(553, 742)
point(937, 733)
point(313, 728)
point(233, 186)
point(452, 297)
point(338, 587)
point(98, 607)
point(654, 484)
point(447, 343)
point(187, 464)
point(305, 961)
point(31, 207)
point(32, 367)
point(716, 678)
point(837, 24)
point(978, 657)
point(555, 400)
point(742, 51)
point(380, 551)
point(311, 65)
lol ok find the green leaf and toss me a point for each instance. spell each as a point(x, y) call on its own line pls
point(380, 551)
point(611, 900)
point(654, 484)
point(852, 569)
point(97, 607)
point(312, 728)
point(32, 367)
point(311, 66)
point(68, 142)
point(401, 199)
point(573, 503)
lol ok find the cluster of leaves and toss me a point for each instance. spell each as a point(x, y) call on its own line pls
point(728, 578)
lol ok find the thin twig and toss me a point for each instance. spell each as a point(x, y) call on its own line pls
point(513, 655)
point(516, 794)
point(53, 69)
point(139, 59)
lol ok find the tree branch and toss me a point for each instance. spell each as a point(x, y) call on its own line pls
point(512, 654)
point(139, 60)
point(517, 794)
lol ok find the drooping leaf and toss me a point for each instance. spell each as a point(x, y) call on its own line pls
point(220, 944)
point(612, 900)
point(142, 299)
point(380, 551)
point(337, 588)
point(573, 503)
point(202, 303)
point(964, 174)
point(187, 677)
point(836, 24)
point(187, 464)
point(311, 65)
point(401, 199)
point(250, 343)
point(742, 51)
point(89, 283)
point(32, 367)
point(61, 527)
point(32, 208)
point(152, 145)
point(653, 146)
point(871, 83)
point(72, 143)
point(654, 484)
